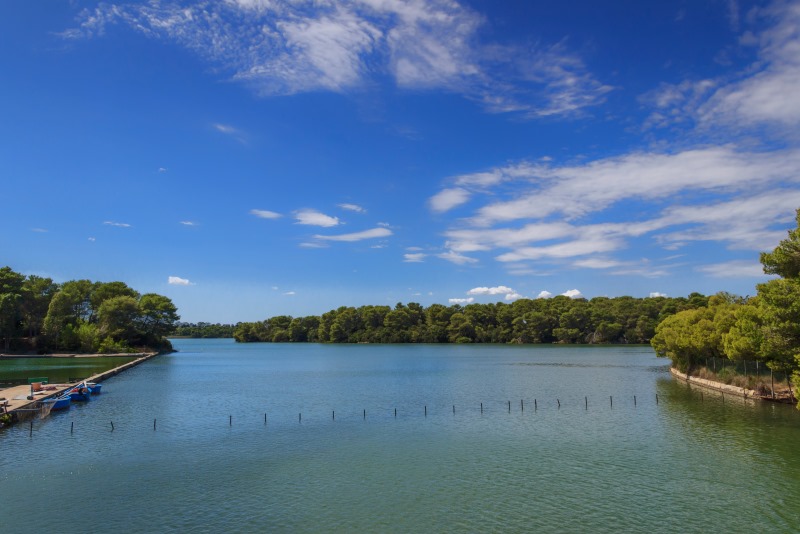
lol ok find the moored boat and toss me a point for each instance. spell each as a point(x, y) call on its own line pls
point(80, 392)
point(59, 403)
point(94, 387)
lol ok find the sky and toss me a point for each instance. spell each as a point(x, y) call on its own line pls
point(253, 158)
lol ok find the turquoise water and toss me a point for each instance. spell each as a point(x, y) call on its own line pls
point(320, 465)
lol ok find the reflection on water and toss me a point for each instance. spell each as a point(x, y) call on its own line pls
point(485, 438)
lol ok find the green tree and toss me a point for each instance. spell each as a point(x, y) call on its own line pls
point(157, 316)
point(11, 284)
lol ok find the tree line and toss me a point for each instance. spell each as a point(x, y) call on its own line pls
point(39, 315)
point(204, 330)
point(556, 320)
point(764, 328)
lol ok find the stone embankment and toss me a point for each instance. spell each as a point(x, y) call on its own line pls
point(717, 386)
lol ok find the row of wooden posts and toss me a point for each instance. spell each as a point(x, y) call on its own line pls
point(425, 410)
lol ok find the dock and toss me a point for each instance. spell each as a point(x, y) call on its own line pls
point(16, 397)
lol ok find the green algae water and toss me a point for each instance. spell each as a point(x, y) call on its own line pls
point(404, 438)
point(57, 370)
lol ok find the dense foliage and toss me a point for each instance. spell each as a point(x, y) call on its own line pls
point(204, 330)
point(39, 315)
point(765, 328)
point(557, 320)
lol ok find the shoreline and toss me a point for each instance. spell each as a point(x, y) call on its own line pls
point(728, 388)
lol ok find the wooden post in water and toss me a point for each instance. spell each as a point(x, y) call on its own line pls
point(586, 401)
point(509, 406)
point(300, 417)
point(395, 412)
point(365, 413)
point(535, 407)
point(154, 424)
point(634, 401)
point(521, 406)
point(611, 400)
point(31, 434)
point(454, 409)
point(426, 410)
point(112, 426)
point(481, 407)
point(230, 420)
point(656, 398)
point(71, 427)
point(559, 403)
point(265, 418)
point(333, 415)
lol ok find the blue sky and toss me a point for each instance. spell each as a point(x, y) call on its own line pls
point(250, 158)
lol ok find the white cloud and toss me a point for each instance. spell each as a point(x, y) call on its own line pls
point(315, 218)
point(734, 269)
point(417, 257)
point(290, 293)
point(226, 129)
point(92, 239)
point(469, 300)
point(573, 294)
point(178, 281)
point(162, 169)
point(448, 199)
point(513, 296)
point(544, 295)
point(188, 223)
point(117, 224)
point(313, 245)
point(284, 47)
point(357, 236)
point(352, 207)
point(499, 290)
point(265, 214)
point(656, 294)
point(455, 257)
point(39, 230)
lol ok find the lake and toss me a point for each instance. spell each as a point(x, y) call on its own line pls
point(484, 439)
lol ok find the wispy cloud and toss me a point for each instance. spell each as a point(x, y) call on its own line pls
point(763, 93)
point(188, 223)
point(544, 294)
point(117, 224)
point(734, 269)
point(315, 218)
point(282, 47)
point(573, 294)
point(415, 257)
point(178, 281)
point(39, 230)
point(265, 214)
point(455, 257)
point(469, 300)
point(352, 207)
point(357, 236)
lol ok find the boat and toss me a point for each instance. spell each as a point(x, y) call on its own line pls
point(94, 387)
point(59, 403)
point(80, 392)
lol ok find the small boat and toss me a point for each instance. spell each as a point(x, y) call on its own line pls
point(59, 403)
point(80, 392)
point(94, 387)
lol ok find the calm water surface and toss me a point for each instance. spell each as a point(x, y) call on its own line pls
point(320, 465)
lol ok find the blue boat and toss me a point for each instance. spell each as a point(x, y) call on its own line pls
point(59, 403)
point(94, 388)
point(80, 392)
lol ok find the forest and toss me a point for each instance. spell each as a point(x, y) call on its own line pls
point(764, 328)
point(557, 320)
point(38, 315)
